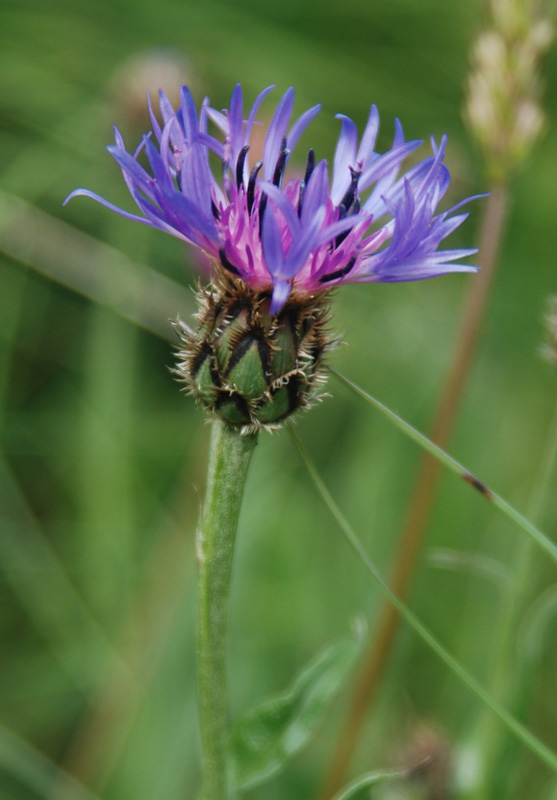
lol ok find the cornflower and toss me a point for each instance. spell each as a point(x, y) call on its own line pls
point(279, 246)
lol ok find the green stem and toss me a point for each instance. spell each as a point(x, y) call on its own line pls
point(229, 459)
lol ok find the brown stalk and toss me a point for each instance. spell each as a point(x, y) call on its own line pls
point(415, 525)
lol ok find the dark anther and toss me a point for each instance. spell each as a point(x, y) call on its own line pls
point(251, 184)
point(309, 169)
point(281, 163)
point(341, 237)
point(226, 263)
point(339, 273)
point(214, 209)
point(240, 165)
point(310, 166)
point(262, 207)
point(350, 193)
point(301, 198)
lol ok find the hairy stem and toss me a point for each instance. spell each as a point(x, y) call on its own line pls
point(413, 530)
point(229, 460)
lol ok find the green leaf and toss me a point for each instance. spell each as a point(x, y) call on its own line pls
point(358, 788)
point(266, 737)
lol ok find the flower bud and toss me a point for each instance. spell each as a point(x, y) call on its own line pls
point(247, 366)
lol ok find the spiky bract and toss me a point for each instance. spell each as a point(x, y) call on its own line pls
point(248, 366)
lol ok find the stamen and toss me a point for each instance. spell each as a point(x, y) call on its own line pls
point(309, 169)
point(226, 263)
point(240, 165)
point(214, 209)
point(350, 193)
point(262, 207)
point(251, 184)
point(339, 273)
point(310, 166)
point(350, 199)
point(281, 163)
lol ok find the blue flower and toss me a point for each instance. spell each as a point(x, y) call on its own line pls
point(307, 234)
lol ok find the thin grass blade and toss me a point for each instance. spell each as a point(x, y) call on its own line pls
point(451, 463)
point(526, 737)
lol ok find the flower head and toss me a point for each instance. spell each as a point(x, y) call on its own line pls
point(305, 234)
point(280, 245)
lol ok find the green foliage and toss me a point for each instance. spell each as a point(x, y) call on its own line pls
point(266, 737)
point(104, 460)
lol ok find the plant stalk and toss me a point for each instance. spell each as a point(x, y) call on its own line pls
point(229, 458)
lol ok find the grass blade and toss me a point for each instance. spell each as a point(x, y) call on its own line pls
point(526, 737)
point(448, 461)
point(36, 771)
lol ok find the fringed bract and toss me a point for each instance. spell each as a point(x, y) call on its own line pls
point(247, 366)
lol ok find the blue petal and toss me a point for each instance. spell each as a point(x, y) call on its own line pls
point(370, 135)
point(316, 192)
point(186, 217)
point(276, 133)
point(251, 119)
point(236, 122)
point(303, 245)
point(283, 204)
point(189, 113)
point(271, 242)
point(130, 166)
point(105, 203)
point(281, 292)
point(154, 121)
point(345, 157)
point(196, 178)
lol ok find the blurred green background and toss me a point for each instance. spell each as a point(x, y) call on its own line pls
point(104, 459)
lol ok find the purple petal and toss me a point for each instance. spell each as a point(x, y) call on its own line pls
point(303, 245)
point(154, 121)
point(165, 106)
point(105, 203)
point(189, 113)
point(387, 165)
point(236, 122)
point(316, 192)
point(281, 292)
point(271, 242)
point(185, 216)
point(160, 171)
point(370, 135)
point(253, 112)
point(283, 204)
point(330, 233)
point(345, 157)
point(276, 133)
point(196, 180)
point(130, 167)
point(219, 119)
